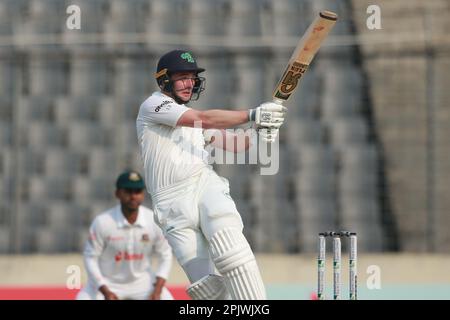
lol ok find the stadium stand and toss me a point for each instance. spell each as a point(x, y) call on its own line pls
point(356, 151)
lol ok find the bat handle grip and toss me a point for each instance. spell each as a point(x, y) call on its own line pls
point(278, 101)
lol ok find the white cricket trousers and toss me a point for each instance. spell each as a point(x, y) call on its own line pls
point(190, 213)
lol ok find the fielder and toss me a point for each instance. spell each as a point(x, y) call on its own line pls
point(192, 204)
point(117, 255)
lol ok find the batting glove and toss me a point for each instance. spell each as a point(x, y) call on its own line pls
point(268, 115)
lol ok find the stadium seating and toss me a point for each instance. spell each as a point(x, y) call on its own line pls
point(93, 14)
point(206, 18)
point(108, 111)
point(132, 77)
point(249, 81)
point(101, 162)
point(316, 184)
point(130, 105)
point(46, 77)
point(49, 187)
point(345, 131)
point(317, 158)
point(125, 19)
point(41, 134)
point(35, 107)
point(219, 80)
point(6, 162)
point(6, 134)
point(82, 135)
point(342, 81)
point(7, 71)
point(6, 25)
point(60, 162)
point(284, 18)
point(34, 213)
point(89, 75)
point(31, 162)
point(363, 184)
point(244, 19)
point(126, 135)
point(5, 236)
point(92, 189)
point(41, 18)
point(5, 107)
point(68, 126)
point(314, 215)
point(130, 160)
point(304, 132)
point(48, 240)
point(70, 109)
point(166, 18)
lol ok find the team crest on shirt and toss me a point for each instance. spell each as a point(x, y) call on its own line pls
point(145, 238)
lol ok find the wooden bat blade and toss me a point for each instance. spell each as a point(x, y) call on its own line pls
point(303, 54)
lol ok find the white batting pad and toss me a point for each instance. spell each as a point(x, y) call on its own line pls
point(210, 287)
point(234, 259)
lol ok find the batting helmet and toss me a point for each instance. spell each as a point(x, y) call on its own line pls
point(178, 61)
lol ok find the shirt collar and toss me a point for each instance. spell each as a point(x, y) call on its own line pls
point(163, 95)
point(122, 222)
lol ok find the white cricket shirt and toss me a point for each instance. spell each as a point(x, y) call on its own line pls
point(169, 153)
point(119, 252)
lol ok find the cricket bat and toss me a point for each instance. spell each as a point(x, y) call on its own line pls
point(303, 54)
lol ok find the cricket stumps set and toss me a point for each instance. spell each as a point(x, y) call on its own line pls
point(321, 260)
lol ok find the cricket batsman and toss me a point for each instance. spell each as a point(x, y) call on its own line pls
point(192, 204)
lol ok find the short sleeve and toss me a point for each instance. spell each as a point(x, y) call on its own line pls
point(162, 111)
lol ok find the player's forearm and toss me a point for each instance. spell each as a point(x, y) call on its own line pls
point(223, 119)
point(104, 290)
point(159, 284)
point(107, 293)
point(93, 270)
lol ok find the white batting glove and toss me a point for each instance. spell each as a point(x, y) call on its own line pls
point(268, 115)
point(268, 134)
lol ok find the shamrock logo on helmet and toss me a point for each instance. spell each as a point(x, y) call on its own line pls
point(188, 57)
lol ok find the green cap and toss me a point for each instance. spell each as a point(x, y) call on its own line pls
point(130, 180)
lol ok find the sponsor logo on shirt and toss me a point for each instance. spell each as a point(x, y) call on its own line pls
point(145, 238)
point(162, 105)
point(128, 256)
point(118, 256)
